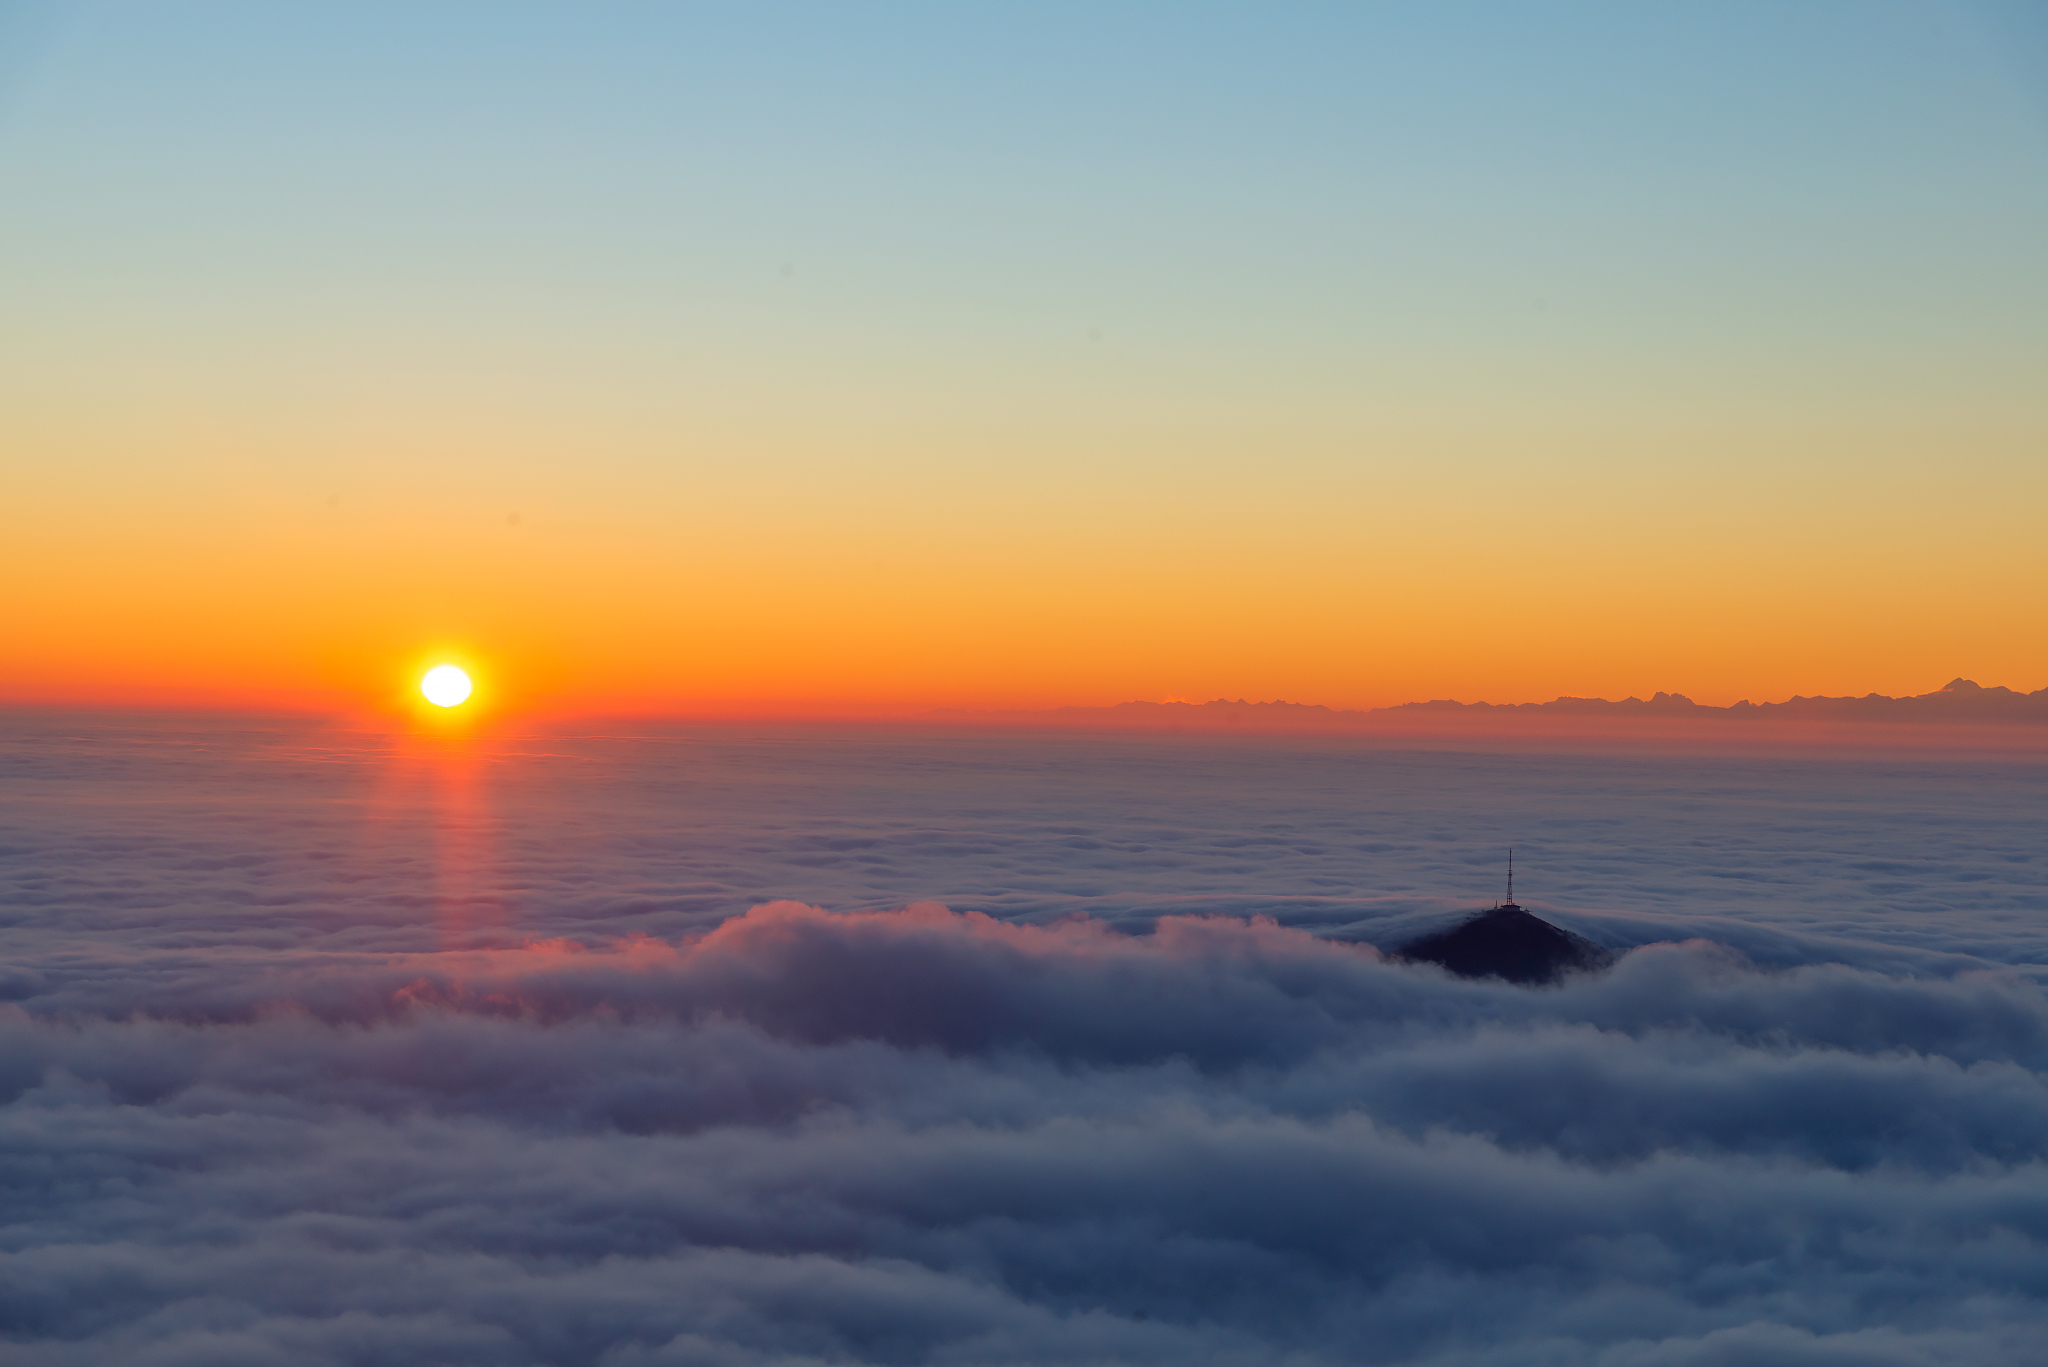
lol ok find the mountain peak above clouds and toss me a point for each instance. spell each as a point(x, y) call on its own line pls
point(1507, 942)
point(1959, 700)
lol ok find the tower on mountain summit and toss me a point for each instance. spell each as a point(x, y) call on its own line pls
point(1507, 942)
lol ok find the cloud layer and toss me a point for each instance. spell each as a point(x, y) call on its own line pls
point(254, 1114)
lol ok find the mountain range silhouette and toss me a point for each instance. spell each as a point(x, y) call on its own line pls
point(1960, 700)
point(1957, 700)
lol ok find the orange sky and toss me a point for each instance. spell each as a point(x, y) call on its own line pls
point(317, 363)
point(1190, 590)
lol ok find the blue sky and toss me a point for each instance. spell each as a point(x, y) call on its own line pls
point(1163, 307)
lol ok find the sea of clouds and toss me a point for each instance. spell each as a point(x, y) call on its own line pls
point(747, 1046)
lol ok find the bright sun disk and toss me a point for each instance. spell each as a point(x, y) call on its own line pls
point(445, 686)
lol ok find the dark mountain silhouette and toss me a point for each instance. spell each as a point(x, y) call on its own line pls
point(1957, 700)
point(1662, 705)
point(1507, 942)
point(1960, 700)
point(1222, 710)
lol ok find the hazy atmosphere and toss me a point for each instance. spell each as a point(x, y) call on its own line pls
point(860, 359)
point(323, 1052)
point(919, 685)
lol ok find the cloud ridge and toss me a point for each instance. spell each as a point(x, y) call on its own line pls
point(931, 1136)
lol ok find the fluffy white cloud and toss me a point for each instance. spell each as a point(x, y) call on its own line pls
point(306, 1067)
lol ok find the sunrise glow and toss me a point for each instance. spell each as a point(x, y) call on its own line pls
point(1480, 391)
point(1300, 683)
point(446, 686)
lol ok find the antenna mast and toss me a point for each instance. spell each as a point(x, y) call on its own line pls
point(1511, 875)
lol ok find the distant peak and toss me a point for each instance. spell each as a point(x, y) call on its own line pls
point(1507, 942)
point(1959, 700)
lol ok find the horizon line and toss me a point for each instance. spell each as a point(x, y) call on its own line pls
point(1955, 700)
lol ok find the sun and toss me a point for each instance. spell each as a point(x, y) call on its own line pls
point(445, 686)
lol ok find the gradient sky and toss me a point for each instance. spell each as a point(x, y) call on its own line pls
point(888, 356)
